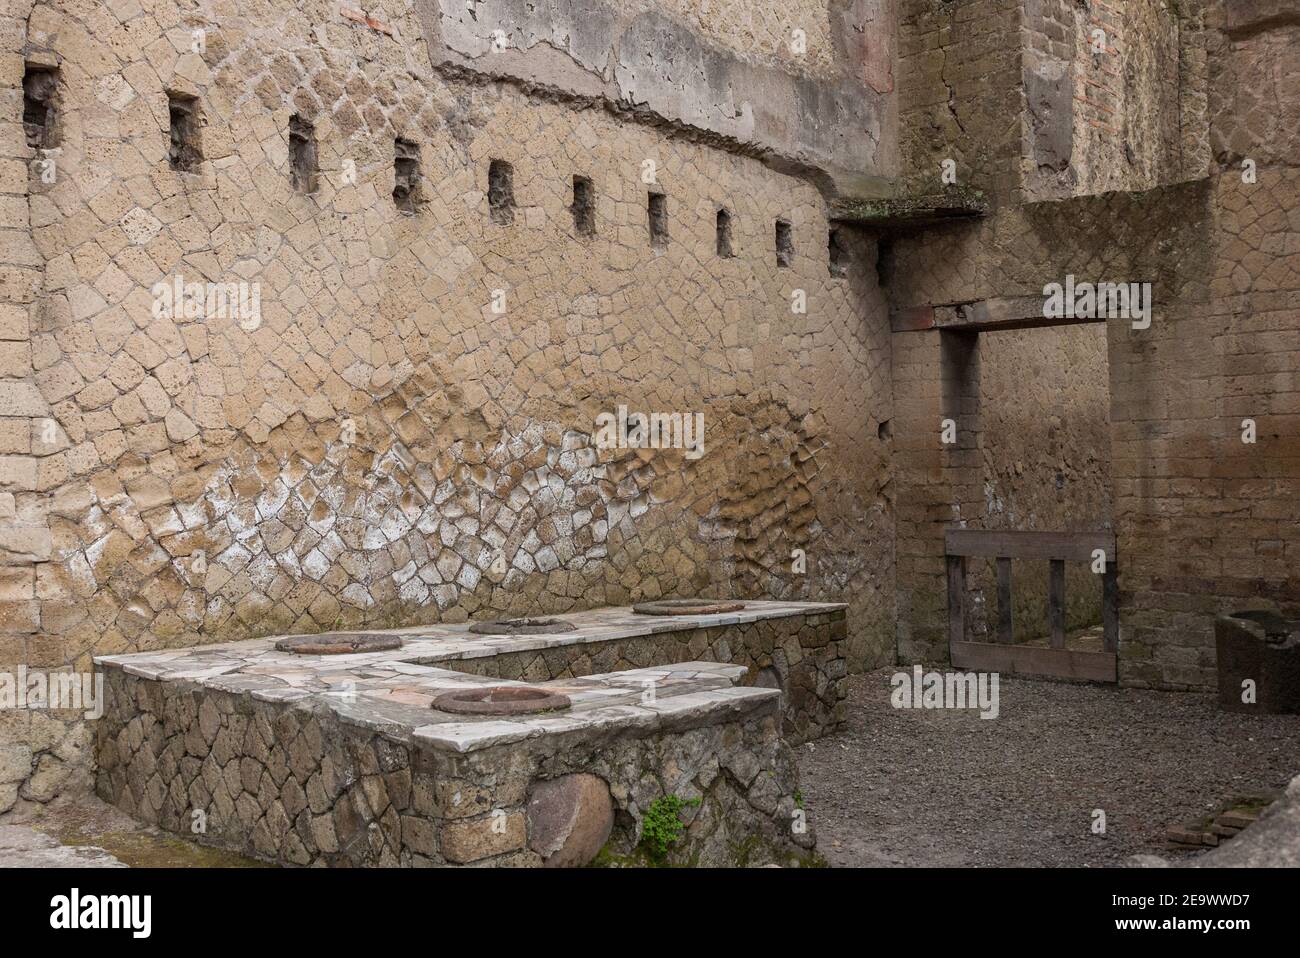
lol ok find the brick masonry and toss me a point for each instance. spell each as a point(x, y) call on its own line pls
point(1032, 104)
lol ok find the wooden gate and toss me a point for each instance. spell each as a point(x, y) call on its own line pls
point(1056, 548)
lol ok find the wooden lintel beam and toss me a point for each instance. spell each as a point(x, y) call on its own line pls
point(985, 315)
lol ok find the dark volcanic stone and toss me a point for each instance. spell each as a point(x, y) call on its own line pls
point(338, 643)
point(500, 700)
point(688, 607)
point(1265, 648)
point(522, 627)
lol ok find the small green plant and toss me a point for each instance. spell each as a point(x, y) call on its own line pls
point(798, 798)
point(661, 826)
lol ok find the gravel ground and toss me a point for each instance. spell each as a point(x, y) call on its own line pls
point(947, 788)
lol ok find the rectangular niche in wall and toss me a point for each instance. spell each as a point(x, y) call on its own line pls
point(837, 253)
point(501, 192)
point(584, 206)
point(723, 231)
point(302, 154)
point(184, 152)
point(39, 86)
point(784, 243)
point(406, 175)
point(657, 213)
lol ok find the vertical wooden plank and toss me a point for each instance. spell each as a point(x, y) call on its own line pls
point(1005, 632)
point(1110, 608)
point(1056, 603)
point(956, 599)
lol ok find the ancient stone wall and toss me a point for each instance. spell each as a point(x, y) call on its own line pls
point(41, 751)
point(765, 30)
point(421, 262)
point(1202, 403)
point(1233, 542)
point(960, 93)
point(1051, 98)
point(1213, 512)
point(402, 426)
point(805, 84)
point(1111, 86)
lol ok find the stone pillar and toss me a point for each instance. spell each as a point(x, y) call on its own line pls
point(936, 378)
point(1206, 419)
point(25, 423)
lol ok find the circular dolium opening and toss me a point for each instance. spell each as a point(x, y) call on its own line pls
point(688, 607)
point(500, 700)
point(524, 626)
point(338, 643)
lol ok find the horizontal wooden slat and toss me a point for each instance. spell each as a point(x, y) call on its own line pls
point(1035, 660)
point(982, 316)
point(1070, 546)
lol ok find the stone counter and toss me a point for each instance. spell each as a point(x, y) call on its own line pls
point(341, 760)
point(798, 647)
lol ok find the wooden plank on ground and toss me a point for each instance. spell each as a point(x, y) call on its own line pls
point(1035, 660)
point(1069, 546)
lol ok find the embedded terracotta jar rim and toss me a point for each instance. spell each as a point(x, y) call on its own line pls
point(500, 700)
point(524, 626)
point(688, 607)
point(338, 643)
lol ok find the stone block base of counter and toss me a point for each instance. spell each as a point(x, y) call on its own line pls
point(343, 760)
point(301, 784)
